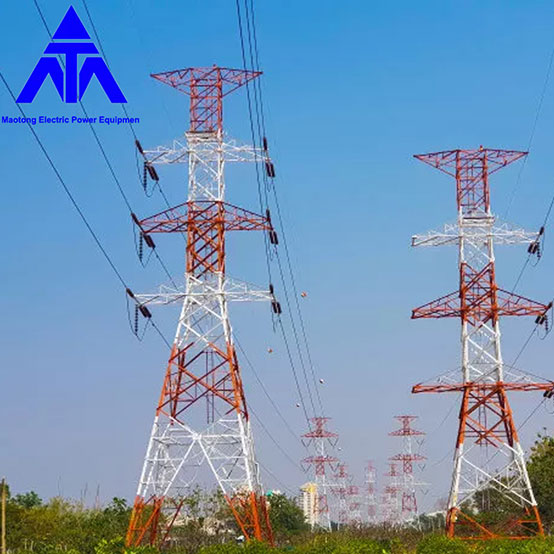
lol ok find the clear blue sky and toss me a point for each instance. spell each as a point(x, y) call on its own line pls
point(351, 93)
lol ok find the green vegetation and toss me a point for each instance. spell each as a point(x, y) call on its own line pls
point(63, 527)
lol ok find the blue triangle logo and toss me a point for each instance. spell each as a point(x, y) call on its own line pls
point(71, 27)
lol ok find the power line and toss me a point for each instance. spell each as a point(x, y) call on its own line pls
point(273, 440)
point(73, 201)
point(95, 134)
point(260, 124)
point(533, 130)
point(263, 387)
point(262, 195)
point(255, 60)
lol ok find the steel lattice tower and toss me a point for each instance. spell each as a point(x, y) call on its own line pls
point(488, 451)
point(340, 489)
point(354, 505)
point(407, 459)
point(391, 500)
point(370, 481)
point(320, 439)
point(202, 420)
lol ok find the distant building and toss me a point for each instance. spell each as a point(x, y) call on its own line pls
point(309, 503)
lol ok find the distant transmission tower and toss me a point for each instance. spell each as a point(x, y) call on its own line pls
point(321, 440)
point(340, 490)
point(406, 460)
point(370, 482)
point(391, 496)
point(202, 419)
point(354, 505)
point(493, 457)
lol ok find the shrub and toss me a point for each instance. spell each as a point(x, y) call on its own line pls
point(435, 544)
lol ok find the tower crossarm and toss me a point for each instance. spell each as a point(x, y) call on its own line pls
point(484, 387)
point(480, 305)
point(453, 161)
point(204, 215)
point(452, 234)
point(179, 150)
point(233, 291)
point(206, 87)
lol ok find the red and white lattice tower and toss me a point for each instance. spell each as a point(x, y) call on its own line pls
point(321, 440)
point(406, 459)
point(339, 490)
point(370, 482)
point(201, 421)
point(391, 496)
point(354, 505)
point(488, 451)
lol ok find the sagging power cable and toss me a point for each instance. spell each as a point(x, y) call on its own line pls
point(79, 211)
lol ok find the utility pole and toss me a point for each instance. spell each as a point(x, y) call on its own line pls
point(3, 546)
point(488, 451)
point(201, 420)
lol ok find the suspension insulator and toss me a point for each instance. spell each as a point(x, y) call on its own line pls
point(144, 176)
point(273, 238)
point(270, 169)
point(152, 172)
point(541, 319)
point(141, 247)
point(139, 146)
point(148, 240)
point(276, 307)
point(264, 142)
point(136, 319)
point(533, 247)
point(145, 311)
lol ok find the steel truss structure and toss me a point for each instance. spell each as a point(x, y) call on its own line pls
point(202, 418)
point(320, 439)
point(354, 506)
point(371, 500)
point(340, 490)
point(391, 508)
point(406, 459)
point(488, 452)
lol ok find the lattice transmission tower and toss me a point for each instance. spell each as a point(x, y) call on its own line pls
point(321, 440)
point(488, 454)
point(390, 505)
point(371, 499)
point(354, 505)
point(201, 421)
point(340, 491)
point(406, 460)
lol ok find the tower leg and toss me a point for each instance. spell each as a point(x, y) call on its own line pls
point(486, 417)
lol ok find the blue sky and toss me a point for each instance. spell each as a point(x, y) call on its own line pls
point(351, 93)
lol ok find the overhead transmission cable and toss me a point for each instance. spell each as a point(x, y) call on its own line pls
point(522, 167)
point(262, 197)
point(97, 138)
point(263, 190)
point(260, 116)
point(533, 130)
point(81, 214)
